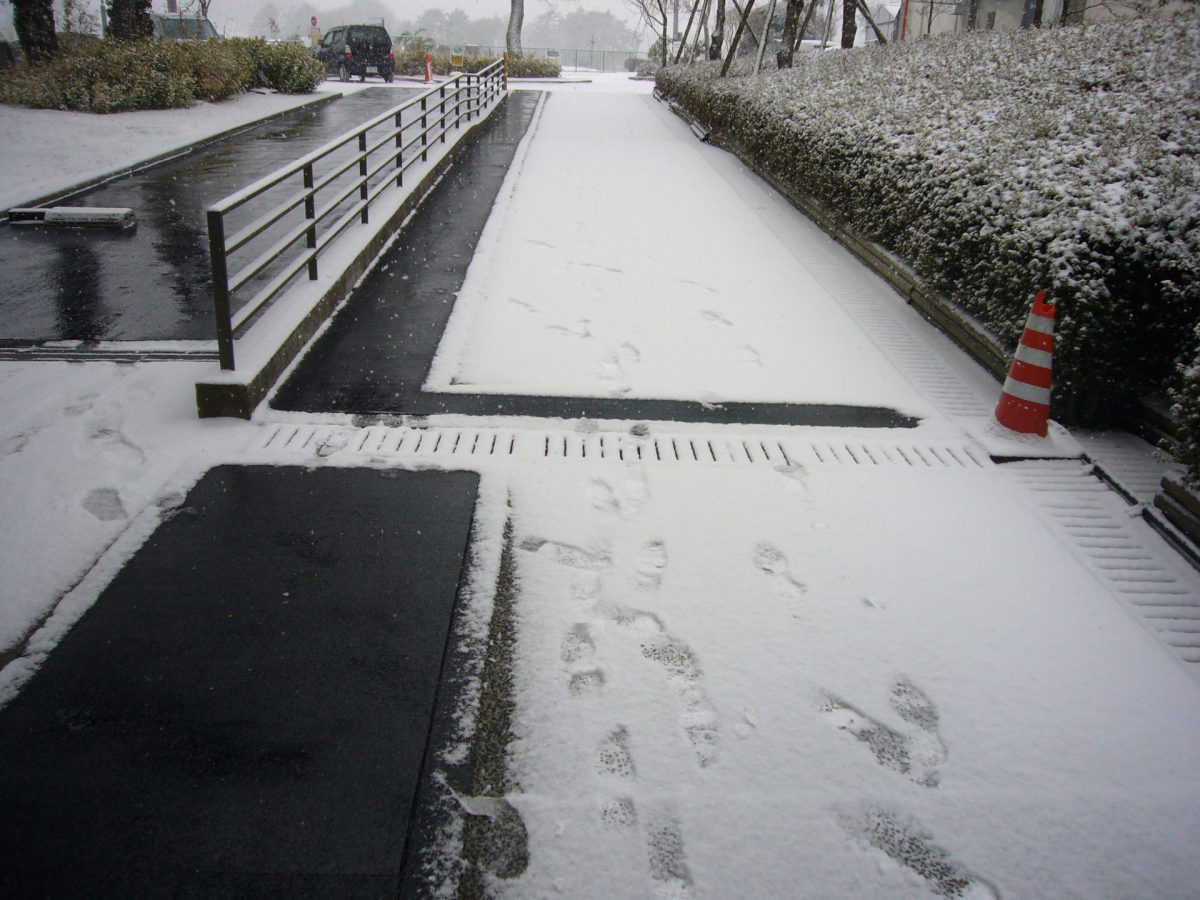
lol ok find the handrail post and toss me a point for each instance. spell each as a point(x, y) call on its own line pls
point(504, 69)
point(424, 132)
point(442, 93)
point(220, 282)
point(310, 212)
point(399, 149)
point(362, 174)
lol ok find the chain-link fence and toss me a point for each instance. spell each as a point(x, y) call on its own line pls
point(585, 60)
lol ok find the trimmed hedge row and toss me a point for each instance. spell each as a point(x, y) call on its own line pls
point(111, 76)
point(412, 62)
point(999, 163)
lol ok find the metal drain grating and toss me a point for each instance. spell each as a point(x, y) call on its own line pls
point(479, 444)
point(1119, 548)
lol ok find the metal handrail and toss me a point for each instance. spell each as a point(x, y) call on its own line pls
point(454, 101)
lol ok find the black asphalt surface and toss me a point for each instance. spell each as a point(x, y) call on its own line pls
point(155, 283)
point(244, 711)
point(375, 355)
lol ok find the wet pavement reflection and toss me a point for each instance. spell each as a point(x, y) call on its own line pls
point(154, 282)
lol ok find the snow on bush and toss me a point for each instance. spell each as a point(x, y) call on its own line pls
point(412, 62)
point(90, 75)
point(998, 163)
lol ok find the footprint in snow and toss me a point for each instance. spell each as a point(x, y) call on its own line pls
point(668, 861)
point(771, 561)
point(567, 554)
point(600, 495)
point(105, 504)
point(709, 315)
point(916, 754)
point(651, 564)
point(750, 356)
point(613, 756)
point(907, 843)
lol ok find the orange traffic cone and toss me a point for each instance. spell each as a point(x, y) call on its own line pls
point(1025, 399)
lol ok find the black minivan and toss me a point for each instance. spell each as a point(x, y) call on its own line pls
point(360, 50)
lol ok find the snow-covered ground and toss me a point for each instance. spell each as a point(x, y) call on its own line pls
point(769, 662)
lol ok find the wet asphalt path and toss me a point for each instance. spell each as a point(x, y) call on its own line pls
point(374, 357)
point(154, 283)
point(251, 728)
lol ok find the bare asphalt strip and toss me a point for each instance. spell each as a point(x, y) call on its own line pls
point(245, 709)
point(154, 282)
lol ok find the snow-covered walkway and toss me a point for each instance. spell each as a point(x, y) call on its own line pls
point(749, 661)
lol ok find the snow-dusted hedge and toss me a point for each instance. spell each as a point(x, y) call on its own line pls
point(110, 76)
point(998, 163)
point(412, 62)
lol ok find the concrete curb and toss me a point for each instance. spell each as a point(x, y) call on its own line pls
point(167, 156)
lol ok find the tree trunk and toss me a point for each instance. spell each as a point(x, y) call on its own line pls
point(1038, 11)
point(849, 23)
point(34, 24)
point(516, 19)
point(129, 20)
point(791, 21)
point(718, 34)
point(665, 39)
point(972, 15)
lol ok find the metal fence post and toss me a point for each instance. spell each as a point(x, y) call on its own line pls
point(399, 149)
point(424, 133)
point(362, 174)
point(442, 94)
point(220, 281)
point(310, 213)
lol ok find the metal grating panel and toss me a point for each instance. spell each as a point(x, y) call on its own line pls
point(686, 449)
point(1119, 548)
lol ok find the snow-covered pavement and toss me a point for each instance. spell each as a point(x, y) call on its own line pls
point(768, 662)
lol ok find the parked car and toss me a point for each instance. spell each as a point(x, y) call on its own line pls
point(181, 27)
point(361, 50)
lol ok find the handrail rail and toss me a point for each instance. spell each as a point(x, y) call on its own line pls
point(459, 99)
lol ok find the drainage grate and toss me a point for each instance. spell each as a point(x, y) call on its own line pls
point(467, 443)
point(1119, 547)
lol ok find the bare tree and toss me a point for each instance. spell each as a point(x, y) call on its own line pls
point(201, 5)
point(718, 33)
point(516, 18)
point(656, 14)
